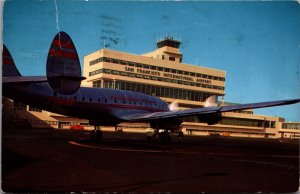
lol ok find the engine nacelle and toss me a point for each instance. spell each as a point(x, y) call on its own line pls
point(63, 65)
point(210, 119)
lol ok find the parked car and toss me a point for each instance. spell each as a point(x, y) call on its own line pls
point(214, 134)
point(76, 127)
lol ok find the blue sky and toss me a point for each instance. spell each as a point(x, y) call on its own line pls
point(256, 43)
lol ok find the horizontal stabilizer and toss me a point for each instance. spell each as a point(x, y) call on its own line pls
point(27, 79)
point(71, 78)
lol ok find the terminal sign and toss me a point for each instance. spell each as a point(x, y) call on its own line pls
point(204, 81)
point(168, 75)
point(129, 69)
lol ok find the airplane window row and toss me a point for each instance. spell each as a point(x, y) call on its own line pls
point(83, 99)
point(145, 66)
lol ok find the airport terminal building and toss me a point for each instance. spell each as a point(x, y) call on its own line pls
point(163, 74)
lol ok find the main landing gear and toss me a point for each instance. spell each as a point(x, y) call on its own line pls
point(96, 134)
point(162, 135)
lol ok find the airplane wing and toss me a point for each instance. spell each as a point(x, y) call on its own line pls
point(203, 111)
point(21, 79)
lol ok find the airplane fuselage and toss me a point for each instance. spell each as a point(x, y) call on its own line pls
point(99, 104)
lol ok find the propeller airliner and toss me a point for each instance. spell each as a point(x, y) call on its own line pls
point(60, 92)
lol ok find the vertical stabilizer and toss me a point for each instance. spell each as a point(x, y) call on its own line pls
point(63, 66)
point(8, 66)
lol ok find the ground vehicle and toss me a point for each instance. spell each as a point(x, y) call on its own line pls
point(214, 134)
point(76, 127)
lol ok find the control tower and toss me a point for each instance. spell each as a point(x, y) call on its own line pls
point(167, 49)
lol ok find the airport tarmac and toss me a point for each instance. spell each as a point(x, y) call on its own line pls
point(41, 160)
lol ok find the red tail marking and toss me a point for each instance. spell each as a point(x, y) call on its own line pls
point(64, 54)
point(63, 44)
point(7, 61)
point(59, 101)
point(5, 52)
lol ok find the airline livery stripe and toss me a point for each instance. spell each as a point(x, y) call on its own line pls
point(8, 61)
point(63, 44)
point(132, 107)
point(5, 52)
point(64, 54)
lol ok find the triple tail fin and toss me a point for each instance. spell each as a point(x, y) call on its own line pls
point(63, 65)
point(9, 68)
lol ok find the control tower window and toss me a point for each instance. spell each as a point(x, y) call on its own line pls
point(172, 58)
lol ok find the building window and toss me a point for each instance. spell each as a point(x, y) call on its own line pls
point(161, 91)
point(35, 109)
point(97, 84)
point(129, 63)
point(242, 122)
point(19, 106)
point(172, 58)
point(153, 67)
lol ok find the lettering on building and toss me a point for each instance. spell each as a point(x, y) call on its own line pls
point(130, 69)
point(203, 81)
point(149, 72)
point(173, 76)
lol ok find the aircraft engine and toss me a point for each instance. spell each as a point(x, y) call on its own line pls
point(210, 119)
point(63, 65)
